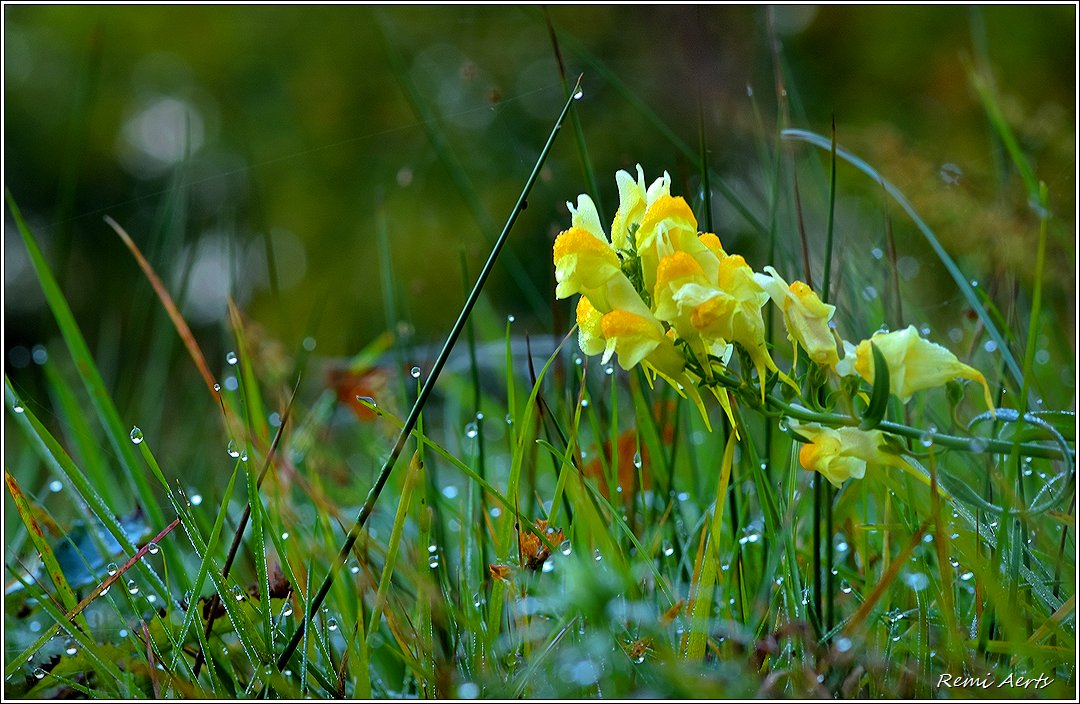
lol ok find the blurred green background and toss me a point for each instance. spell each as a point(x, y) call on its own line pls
point(257, 152)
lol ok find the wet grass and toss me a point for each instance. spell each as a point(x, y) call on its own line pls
point(528, 522)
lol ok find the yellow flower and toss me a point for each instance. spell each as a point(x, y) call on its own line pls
point(669, 226)
point(583, 262)
point(915, 364)
point(640, 339)
point(634, 200)
point(840, 454)
point(682, 296)
point(636, 338)
point(806, 317)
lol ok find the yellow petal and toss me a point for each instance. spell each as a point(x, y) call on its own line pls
point(590, 332)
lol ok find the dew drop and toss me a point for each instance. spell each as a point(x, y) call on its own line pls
point(950, 174)
point(549, 566)
point(367, 399)
point(136, 435)
point(510, 318)
point(39, 673)
point(668, 550)
point(217, 387)
point(509, 419)
point(596, 555)
point(845, 586)
point(237, 592)
point(231, 450)
point(433, 561)
point(153, 548)
point(132, 587)
point(231, 358)
point(917, 581)
point(285, 535)
point(56, 486)
point(112, 568)
point(196, 499)
point(967, 576)
point(71, 647)
point(579, 95)
point(471, 430)
point(637, 460)
point(17, 407)
point(244, 456)
point(584, 403)
point(927, 438)
point(354, 568)
point(331, 624)
point(415, 372)
point(609, 369)
point(287, 610)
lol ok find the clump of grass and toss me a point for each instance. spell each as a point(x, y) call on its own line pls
point(561, 529)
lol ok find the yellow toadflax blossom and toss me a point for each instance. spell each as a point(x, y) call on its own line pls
point(840, 454)
point(915, 364)
point(806, 317)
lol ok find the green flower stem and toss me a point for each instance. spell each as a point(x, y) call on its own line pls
point(954, 442)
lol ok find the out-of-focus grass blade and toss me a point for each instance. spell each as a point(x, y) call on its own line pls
point(947, 261)
point(88, 372)
point(169, 305)
point(701, 594)
point(407, 489)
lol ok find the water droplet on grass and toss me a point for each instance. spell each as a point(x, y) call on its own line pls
point(56, 486)
point(668, 550)
point(17, 407)
point(368, 400)
point(579, 95)
point(136, 435)
point(112, 568)
point(217, 387)
point(237, 592)
point(637, 460)
point(950, 174)
point(231, 450)
point(471, 431)
point(132, 587)
point(71, 647)
point(415, 372)
point(433, 561)
point(153, 548)
point(510, 318)
point(565, 548)
point(331, 624)
point(231, 358)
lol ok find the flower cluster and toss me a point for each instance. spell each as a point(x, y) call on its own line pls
point(661, 294)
